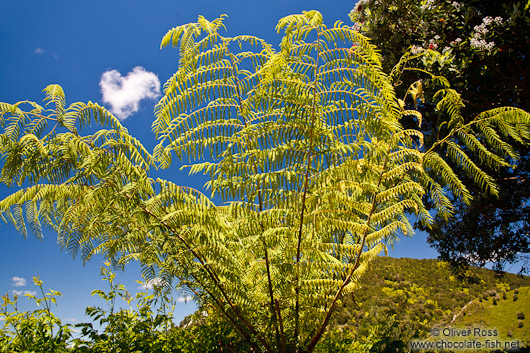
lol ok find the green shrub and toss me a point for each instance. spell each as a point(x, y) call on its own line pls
point(33, 331)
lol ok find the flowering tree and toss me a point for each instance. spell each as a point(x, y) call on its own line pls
point(482, 41)
point(483, 49)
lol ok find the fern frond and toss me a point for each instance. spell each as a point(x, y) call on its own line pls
point(438, 166)
point(55, 95)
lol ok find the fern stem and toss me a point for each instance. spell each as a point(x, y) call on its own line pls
point(265, 250)
point(231, 319)
point(454, 132)
point(304, 194)
point(282, 332)
point(212, 276)
point(320, 332)
point(215, 280)
point(221, 308)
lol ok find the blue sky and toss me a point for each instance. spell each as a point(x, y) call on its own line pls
point(80, 44)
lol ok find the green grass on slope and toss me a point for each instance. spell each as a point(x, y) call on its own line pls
point(502, 314)
point(404, 299)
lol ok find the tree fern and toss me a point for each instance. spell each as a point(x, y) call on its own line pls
point(303, 144)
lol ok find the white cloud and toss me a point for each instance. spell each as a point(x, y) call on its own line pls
point(42, 51)
point(18, 281)
point(22, 292)
point(152, 283)
point(185, 299)
point(124, 93)
point(72, 320)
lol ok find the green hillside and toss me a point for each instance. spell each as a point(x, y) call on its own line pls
point(404, 299)
point(509, 311)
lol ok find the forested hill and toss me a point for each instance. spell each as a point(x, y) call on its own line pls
point(402, 299)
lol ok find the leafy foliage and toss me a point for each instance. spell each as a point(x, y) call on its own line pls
point(484, 52)
point(145, 327)
point(305, 147)
point(33, 331)
point(148, 326)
